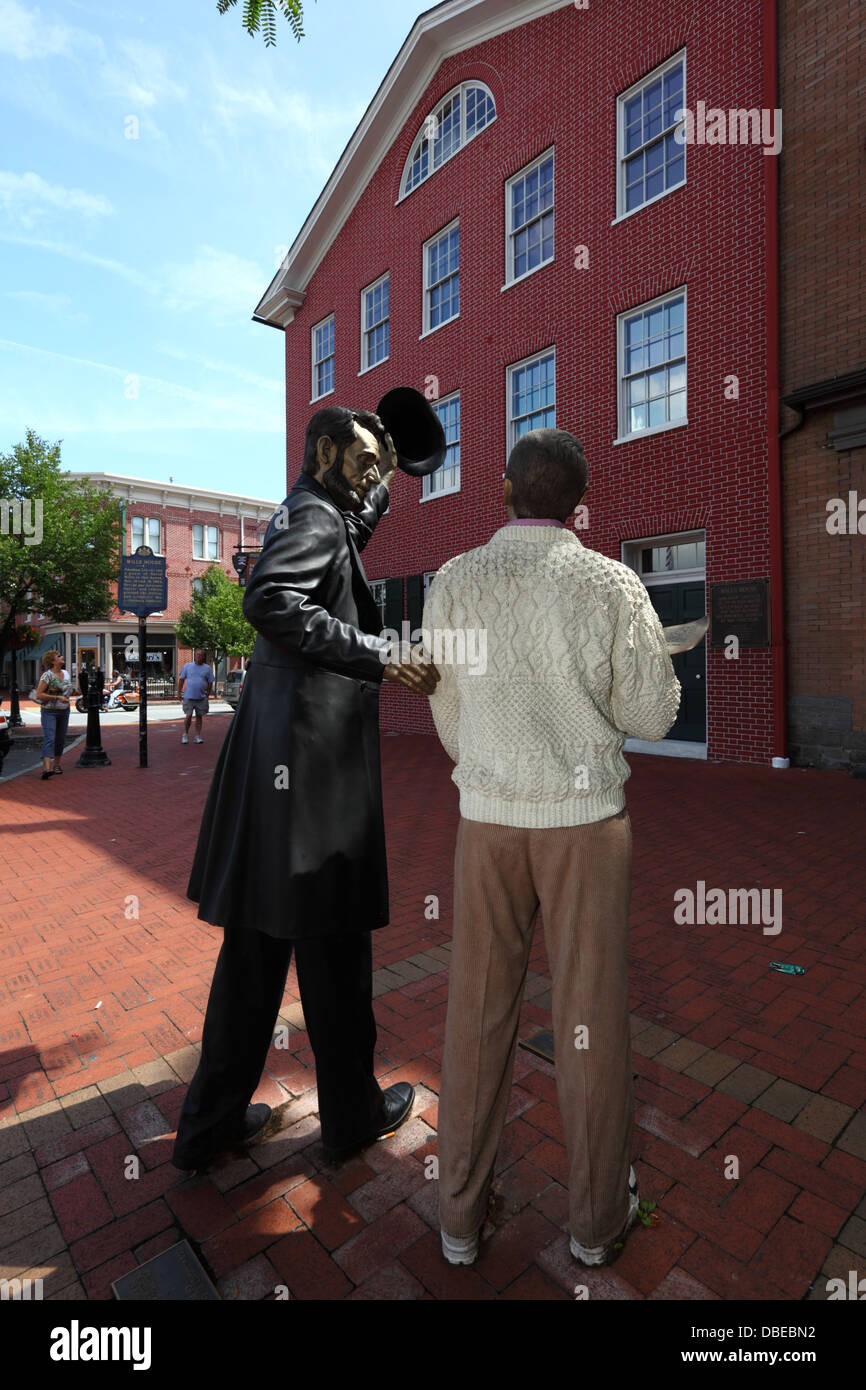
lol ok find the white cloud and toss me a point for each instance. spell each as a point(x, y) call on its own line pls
point(216, 280)
point(261, 383)
point(60, 304)
point(159, 404)
point(289, 112)
point(218, 283)
point(28, 198)
point(143, 79)
point(26, 35)
point(75, 253)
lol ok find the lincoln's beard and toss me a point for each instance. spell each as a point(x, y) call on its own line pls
point(345, 496)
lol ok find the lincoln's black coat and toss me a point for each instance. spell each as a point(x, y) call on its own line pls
point(292, 839)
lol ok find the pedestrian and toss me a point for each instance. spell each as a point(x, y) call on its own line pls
point(53, 693)
point(291, 851)
point(574, 659)
point(195, 684)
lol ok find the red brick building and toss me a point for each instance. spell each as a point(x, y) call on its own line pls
point(517, 229)
point(823, 377)
point(193, 528)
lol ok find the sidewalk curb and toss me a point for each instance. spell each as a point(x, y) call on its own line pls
point(10, 776)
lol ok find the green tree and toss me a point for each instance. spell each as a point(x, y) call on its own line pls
point(60, 540)
point(216, 621)
point(261, 14)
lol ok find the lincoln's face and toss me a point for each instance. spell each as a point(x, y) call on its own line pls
point(349, 473)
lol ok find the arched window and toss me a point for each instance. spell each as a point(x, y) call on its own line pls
point(460, 116)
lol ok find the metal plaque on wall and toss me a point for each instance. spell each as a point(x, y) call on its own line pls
point(740, 608)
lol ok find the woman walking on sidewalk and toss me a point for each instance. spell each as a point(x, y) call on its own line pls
point(53, 694)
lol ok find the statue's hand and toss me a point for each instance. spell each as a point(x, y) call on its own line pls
point(387, 461)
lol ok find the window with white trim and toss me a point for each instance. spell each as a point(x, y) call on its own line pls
point(205, 542)
point(531, 395)
point(379, 590)
point(442, 277)
point(446, 478)
point(652, 366)
point(650, 162)
point(375, 318)
point(529, 217)
point(322, 353)
point(147, 530)
point(457, 119)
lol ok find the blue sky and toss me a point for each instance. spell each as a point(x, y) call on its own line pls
point(131, 267)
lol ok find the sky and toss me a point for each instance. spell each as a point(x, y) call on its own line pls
point(156, 163)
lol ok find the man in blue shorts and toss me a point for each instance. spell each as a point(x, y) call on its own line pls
point(194, 685)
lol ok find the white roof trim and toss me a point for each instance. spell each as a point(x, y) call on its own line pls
point(124, 486)
point(448, 28)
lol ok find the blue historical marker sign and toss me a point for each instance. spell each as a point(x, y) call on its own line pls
point(143, 587)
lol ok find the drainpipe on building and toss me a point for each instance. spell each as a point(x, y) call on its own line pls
point(770, 86)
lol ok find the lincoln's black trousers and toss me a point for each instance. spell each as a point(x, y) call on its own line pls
point(335, 976)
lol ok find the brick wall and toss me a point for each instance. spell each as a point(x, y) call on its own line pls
point(823, 295)
point(181, 567)
point(555, 83)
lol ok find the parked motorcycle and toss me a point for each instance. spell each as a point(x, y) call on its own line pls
point(126, 698)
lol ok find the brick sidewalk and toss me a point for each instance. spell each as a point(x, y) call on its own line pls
point(101, 1009)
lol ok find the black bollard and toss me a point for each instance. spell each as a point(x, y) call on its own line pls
point(93, 753)
point(14, 721)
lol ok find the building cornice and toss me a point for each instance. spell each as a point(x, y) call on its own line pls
point(147, 491)
point(437, 34)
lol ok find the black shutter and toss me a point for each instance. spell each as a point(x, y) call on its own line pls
point(394, 604)
point(414, 601)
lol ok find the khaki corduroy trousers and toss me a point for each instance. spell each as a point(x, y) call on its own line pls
point(580, 878)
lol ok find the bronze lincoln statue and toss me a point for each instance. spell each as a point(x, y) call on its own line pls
point(291, 851)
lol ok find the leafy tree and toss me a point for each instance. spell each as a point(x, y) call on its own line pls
point(60, 541)
point(261, 14)
point(216, 622)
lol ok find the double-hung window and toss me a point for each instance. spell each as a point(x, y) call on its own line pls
point(375, 318)
point(205, 542)
point(447, 478)
point(323, 358)
point(531, 395)
point(529, 218)
point(442, 278)
point(650, 161)
point(147, 530)
point(652, 366)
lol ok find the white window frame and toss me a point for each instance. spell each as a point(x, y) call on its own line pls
point(510, 277)
point(630, 552)
point(379, 591)
point(658, 73)
point(428, 494)
point(316, 363)
point(147, 521)
point(660, 301)
point(463, 138)
point(510, 441)
point(205, 527)
point(368, 289)
point(426, 314)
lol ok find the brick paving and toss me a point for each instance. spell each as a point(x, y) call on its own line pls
point(104, 975)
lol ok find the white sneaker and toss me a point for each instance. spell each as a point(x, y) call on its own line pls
point(199, 740)
point(185, 738)
point(460, 1250)
point(603, 1254)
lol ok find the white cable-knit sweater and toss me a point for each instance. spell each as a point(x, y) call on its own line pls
point(575, 660)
